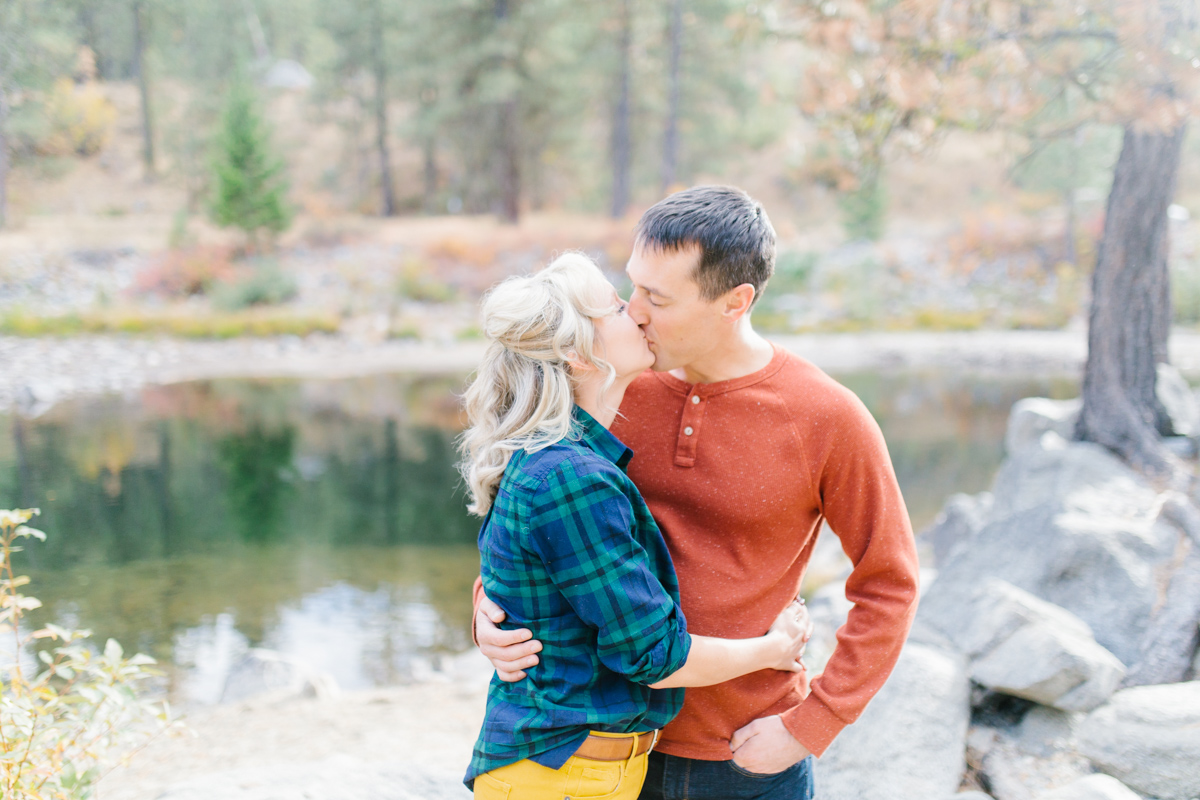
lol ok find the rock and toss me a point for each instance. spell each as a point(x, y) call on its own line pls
point(1023, 646)
point(1033, 416)
point(288, 74)
point(337, 778)
point(971, 795)
point(828, 609)
point(1177, 398)
point(1074, 526)
point(909, 742)
point(1012, 772)
point(1148, 737)
point(961, 517)
point(1052, 666)
point(1045, 731)
point(1182, 446)
point(1092, 787)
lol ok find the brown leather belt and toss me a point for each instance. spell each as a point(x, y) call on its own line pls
point(606, 748)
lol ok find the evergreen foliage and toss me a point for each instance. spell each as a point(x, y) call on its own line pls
point(250, 186)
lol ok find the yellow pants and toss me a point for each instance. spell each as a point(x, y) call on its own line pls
point(578, 779)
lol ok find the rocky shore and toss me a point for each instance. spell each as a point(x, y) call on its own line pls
point(1054, 654)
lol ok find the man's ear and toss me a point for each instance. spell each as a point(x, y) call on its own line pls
point(738, 301)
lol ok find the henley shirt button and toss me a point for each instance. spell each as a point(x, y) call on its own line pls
point(695, 399)
point(687, 431)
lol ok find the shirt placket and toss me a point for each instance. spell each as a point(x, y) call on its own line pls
point(689, 428)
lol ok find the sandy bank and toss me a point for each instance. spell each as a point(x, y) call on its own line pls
point(261, 747)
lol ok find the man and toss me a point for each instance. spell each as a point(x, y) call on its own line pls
point(741, 451)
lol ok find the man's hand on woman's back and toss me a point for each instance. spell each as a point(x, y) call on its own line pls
point(511, 652)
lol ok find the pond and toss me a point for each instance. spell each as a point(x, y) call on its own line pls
point(324, 520)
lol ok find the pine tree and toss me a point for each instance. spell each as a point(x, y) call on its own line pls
point(250, 186)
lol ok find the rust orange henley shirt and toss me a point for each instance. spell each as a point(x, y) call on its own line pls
point(739, 475)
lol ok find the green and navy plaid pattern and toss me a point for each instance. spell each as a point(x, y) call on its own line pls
point(571, 552)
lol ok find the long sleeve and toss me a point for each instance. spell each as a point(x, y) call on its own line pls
point(581, 524)
point(862, 503)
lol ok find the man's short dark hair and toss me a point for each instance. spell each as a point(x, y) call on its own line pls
point(736, 240)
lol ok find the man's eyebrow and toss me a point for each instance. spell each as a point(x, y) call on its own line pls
point(652, 290)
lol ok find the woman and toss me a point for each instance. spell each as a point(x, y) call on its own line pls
point(569, 550)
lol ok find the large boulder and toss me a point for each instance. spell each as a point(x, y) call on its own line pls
point(1148, 737)
point(960, 519)
point(910, 741)
point(1177, 398)
point(1092, 787)
point(1025, 647)
point(1072, 525)
point(1033, 416)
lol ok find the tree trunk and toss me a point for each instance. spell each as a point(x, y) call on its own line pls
point(379, 64)
point(621, 144)
point(429, 154)
point(509, 166)
point(1131, 306)
point(139, 66)
point(3, 158)
point(671, 135)
point(508, 154)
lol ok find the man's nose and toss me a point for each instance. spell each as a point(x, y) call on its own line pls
point(638, 310)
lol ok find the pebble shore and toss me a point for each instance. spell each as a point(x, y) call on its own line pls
point(39, 372)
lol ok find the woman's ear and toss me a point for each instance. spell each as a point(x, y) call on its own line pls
point(577, 364)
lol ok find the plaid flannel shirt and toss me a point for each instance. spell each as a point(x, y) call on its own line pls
point(570, 551)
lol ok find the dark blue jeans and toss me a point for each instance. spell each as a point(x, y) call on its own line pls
point(675, 778)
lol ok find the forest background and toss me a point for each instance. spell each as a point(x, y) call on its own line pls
point(414, 152)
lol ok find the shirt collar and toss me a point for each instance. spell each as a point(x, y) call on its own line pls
point(600, 439)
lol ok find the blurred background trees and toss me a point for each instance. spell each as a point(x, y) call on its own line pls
point(503, 107)
point(511, 104)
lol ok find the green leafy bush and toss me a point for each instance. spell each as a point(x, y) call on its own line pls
point(62, 726)
point(265, 285)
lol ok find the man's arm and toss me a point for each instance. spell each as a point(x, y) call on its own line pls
point(862, 503)
point(511, 652)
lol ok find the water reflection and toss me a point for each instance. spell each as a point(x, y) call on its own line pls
point(323, 520)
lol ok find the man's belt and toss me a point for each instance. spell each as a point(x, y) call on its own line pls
point(611, 748)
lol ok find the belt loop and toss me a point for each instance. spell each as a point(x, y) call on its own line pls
point(632, 755)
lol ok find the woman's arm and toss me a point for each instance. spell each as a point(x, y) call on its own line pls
point(711, 661)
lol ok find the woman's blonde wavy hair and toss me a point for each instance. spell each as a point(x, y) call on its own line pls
point(523, 392)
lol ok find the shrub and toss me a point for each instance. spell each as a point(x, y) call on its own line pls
point(79, 119)
point(415, 283)
point(80, 712)
point(265, 285)
point(184, 272)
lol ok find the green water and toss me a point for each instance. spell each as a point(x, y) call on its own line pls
point(324, 519)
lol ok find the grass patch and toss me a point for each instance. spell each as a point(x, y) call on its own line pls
point(257, 322)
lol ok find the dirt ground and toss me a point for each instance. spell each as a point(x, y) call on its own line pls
point(226, 750)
